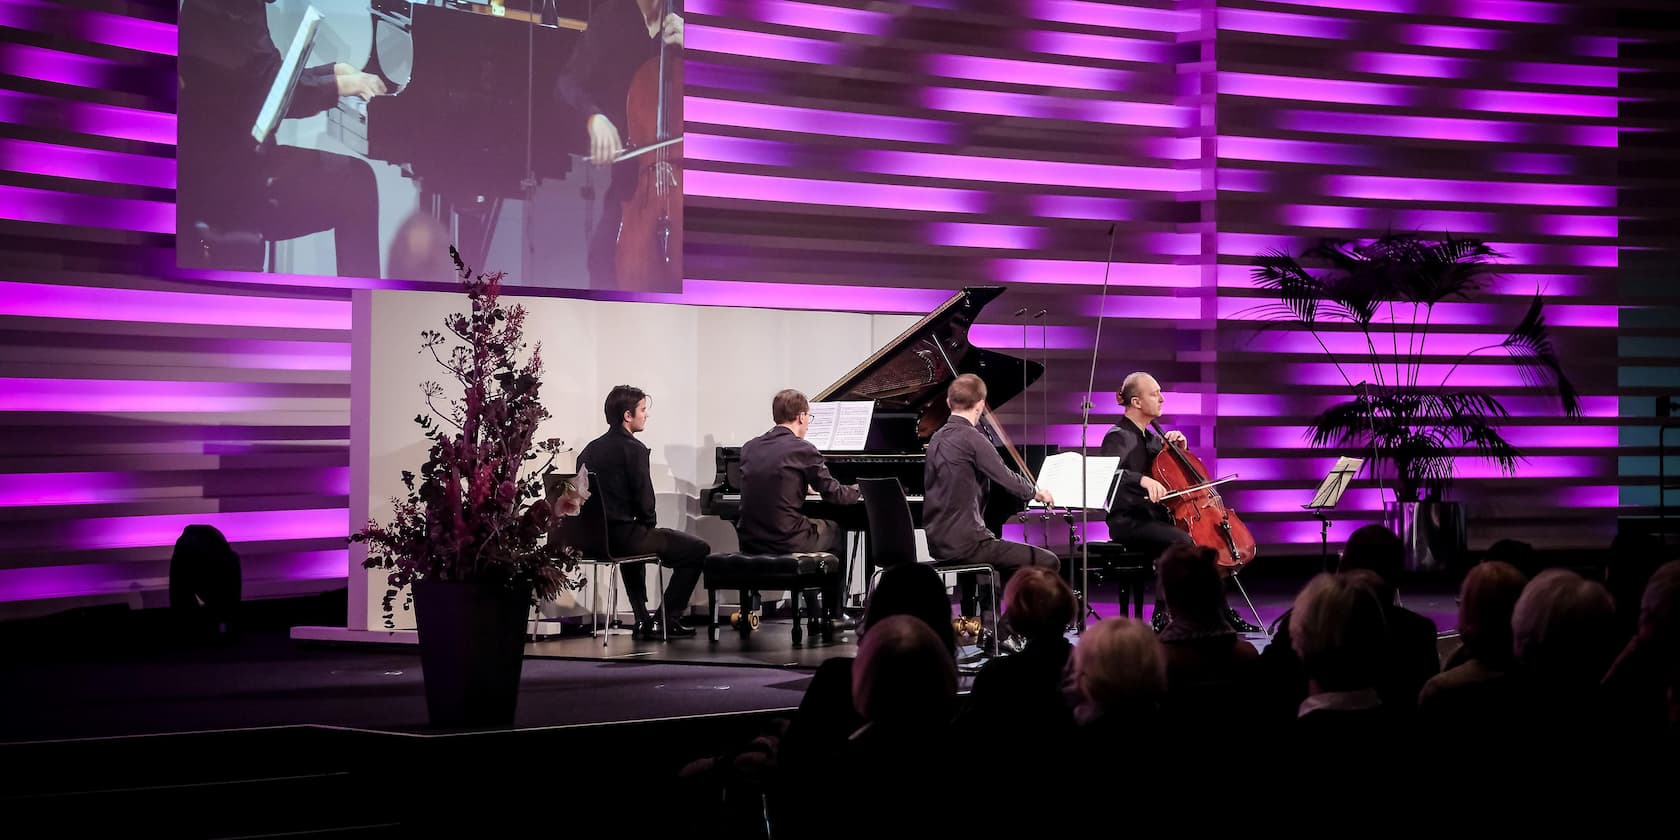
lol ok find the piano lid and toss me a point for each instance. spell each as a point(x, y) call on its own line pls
point(910, 374)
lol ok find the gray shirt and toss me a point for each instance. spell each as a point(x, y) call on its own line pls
point(961, 464)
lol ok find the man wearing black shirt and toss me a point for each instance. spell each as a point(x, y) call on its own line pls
point(961, 464)
point(1137, 517)
point(622, 36)
point(228, 62)
point(619, 476)
point(776, 468)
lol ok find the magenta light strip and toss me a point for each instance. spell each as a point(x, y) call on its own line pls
point(1283, 23)
point(1444, 128)
point(1011, 337)
point(1087, 273)
point(86, 164)
point(35, 300)
point(1142, 307)
point(1526, 438)
point(1530, 102)
point(26, 204)
point(125, 395)
point(1452, 37)
point(817, 121)
point(1411, 64)
point(1084, 207)
point(761, 45)
point(1113, 16)
point(55, 66)
point(999, 103)
point(1314, 469)
point(1035, 73)
point(1316, 90)
point(1302, 405)
point(965, 235)
point(1486, 375)
point(1456, 191)
point(789, 13)
point(1104, 406)
point(1017, 171)
point(98, 27)
point(1351, 345)
point(1458, 221)
point(38, 582)
point(87, 117)
point(801, 296)
point(1393, 7)
point(242, 527)
point(1296, 151)
point(1513, 283)
point(833, 193)
point(1110, 48)
point(1576, 75)
point(1590, 256)
point(698, 146)
point(1592, 46)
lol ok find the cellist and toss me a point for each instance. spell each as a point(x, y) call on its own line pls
point(1137, 518)
point(622, 35)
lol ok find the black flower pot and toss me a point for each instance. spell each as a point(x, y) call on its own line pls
point(472, 647)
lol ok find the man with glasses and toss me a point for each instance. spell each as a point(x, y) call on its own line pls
point(776, 469)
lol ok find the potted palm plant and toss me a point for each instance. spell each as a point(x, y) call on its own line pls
point(471, 537)
point(1414, 427)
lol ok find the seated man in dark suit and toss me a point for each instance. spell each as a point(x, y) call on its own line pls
point(620, 474)
point(776, 469)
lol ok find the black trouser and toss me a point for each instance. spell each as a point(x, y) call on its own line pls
point(603, 240)
point(1153, 539)
point(826, 538)
point(684, 555)
point(310, 191)
point(1006, 557)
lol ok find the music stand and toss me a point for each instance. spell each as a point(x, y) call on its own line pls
point(1329, 494)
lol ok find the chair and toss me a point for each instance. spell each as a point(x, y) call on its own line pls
point(892, 539)
point(587, 532)
point(803, 574)
point(1130, 569)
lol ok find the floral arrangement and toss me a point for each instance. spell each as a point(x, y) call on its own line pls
point(474, 513)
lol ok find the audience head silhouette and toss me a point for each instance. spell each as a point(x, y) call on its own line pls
point(915, 590)
point(1189, 580)
point(1564, 629)
point(903, 675)
point(1485, 603)
point(1119, 666)
point(1038, 602)
point(1338, 631)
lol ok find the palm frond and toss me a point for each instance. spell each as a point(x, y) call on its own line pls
point(1530, 344)
point(1297, 288)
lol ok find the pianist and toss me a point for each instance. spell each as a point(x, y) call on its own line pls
point(620, 475)
point(776, 469)
point(960, 463)
point(228, 62)
point(621, 36)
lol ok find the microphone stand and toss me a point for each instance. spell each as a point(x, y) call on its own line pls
point(1084, 445)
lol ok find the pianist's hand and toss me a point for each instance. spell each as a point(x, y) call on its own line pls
point(1044, 496)
point(673, 30)
point(604, 142)
point(365, 85)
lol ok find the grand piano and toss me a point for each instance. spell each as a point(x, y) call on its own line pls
point(460, 118)
point(907, 380)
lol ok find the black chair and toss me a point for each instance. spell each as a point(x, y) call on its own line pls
point(1131, 570)
point(587, 532)
point(892, 539)
point(205, 582)
point(805, 575)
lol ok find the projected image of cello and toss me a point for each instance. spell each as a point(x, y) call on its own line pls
point(625, 80)
point(363, 138)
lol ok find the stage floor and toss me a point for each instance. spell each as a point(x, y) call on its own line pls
point(112, 685)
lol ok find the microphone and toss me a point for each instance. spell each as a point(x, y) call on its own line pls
point(1020, 312)
point(1041, 313)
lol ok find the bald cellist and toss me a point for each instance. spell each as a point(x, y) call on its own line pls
point(1137, 517)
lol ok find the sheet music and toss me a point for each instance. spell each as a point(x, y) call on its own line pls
point(1330, 490)
point(840, 426)
point(280, 93)
point(1060, 474)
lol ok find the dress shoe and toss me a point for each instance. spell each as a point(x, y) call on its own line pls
point(1237, 623)
point(675, 629)
point(1012, 643)
point(1159, 620)
point(646, 630)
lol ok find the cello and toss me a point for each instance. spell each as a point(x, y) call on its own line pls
point(650, 235)
point(1196, 506)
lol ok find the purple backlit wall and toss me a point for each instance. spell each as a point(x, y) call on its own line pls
point(846, 157)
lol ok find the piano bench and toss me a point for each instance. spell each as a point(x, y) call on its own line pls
point(1130, 569)
point(803, 574)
